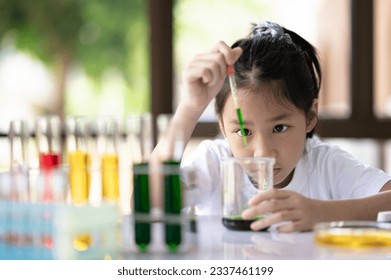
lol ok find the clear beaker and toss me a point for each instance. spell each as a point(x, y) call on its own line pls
point(243, 178)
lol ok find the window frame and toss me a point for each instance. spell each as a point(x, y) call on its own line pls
point(362, 123)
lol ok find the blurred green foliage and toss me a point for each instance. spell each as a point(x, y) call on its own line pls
point(98, 35)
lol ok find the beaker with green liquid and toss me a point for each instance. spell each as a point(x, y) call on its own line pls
point(243, 178)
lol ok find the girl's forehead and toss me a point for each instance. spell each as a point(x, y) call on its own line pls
point(258, 110)
point(269, 96)
point(256, 107)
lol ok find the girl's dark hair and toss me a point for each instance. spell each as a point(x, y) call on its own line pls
point(272, 53)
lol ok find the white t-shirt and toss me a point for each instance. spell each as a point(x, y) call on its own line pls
point(323, 172)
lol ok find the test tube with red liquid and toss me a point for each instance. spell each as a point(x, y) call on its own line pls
point(51, 186)
point(48, 136)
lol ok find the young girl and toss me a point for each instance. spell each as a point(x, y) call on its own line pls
point(278, 78)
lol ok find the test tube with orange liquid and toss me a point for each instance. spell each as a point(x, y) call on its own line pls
point(110, 177)
point(107, 138)
point(78, 159)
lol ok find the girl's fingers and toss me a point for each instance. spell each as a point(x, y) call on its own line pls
point(268, 203)
point(237, 52)
point(265, 222)
point(230, 55)
point(259, 209)
point(273, 202)
point(291, 216)
point(215, 60)
point(210, 68)
point(285, 207)
point(194, 74)
point(270, 194)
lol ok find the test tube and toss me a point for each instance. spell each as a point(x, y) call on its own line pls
point(18, 138)
point(48, 133)
point(139, 140)
point(48, 137)
point(19, 163)
point(79, 162)
point(78, 159)
point(51, 183)
point(107, 138)
point(172, 184)
point(18, 192)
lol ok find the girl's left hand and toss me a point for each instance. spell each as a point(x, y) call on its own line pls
point(284, 205)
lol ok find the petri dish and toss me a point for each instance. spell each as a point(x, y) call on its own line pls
point(353, 234)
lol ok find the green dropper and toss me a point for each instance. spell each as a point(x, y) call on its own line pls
point(232, 83)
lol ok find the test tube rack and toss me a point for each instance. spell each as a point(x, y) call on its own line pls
point(57, 231)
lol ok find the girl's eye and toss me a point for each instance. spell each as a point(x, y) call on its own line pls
point(280, 128)
point(246, 132)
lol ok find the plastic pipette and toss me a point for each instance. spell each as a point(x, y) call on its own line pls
point(232, 83)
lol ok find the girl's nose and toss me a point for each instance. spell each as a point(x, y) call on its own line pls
point(264, 147)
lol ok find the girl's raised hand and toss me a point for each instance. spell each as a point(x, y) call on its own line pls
point(204, 75)
point(294, 211)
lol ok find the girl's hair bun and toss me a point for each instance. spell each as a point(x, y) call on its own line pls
point(267, 28)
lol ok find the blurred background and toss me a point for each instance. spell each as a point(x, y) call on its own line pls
point(96, 57)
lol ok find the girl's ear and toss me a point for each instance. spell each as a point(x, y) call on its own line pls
point(312, 117)
point(221, 125)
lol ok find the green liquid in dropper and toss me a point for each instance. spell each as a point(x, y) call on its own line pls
point(241, 124)
point(173, 204)
point(141, 205)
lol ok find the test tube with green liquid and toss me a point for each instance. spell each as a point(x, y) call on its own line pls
point(141, 205)
point(172, 192)
point(232, 83)
point(139, 138)
point(172, 204)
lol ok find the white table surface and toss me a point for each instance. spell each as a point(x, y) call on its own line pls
point(214, 241)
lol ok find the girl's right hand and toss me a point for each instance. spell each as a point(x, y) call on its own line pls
point(205, 74)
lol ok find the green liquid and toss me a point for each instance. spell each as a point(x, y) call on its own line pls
point(172, 204)
point(241, 124)
point(237, 223)
point(141, 205)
